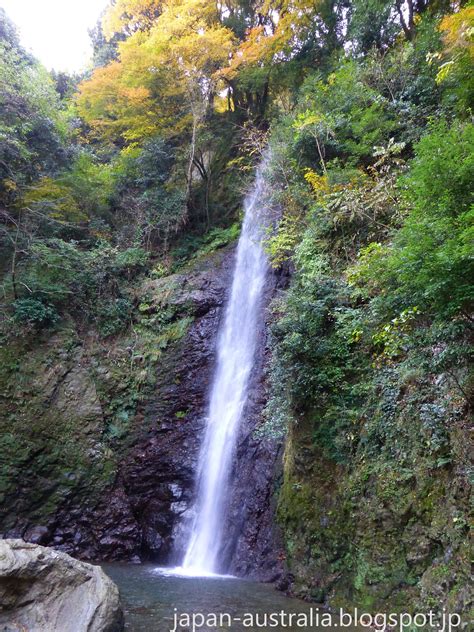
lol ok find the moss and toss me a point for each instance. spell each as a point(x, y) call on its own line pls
point(374, 531)
point(72, 402)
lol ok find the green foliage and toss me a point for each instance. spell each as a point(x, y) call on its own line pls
point(373, 219)
point(280, 245)
point(372, 24)
point(313, 343)
point(457, 55)
point(429, 262)
point(370, 344)
point(113, 316)
point(322, 338)
point(391, 337)
point(104, 50)
point(150, 203)
point(91, 284)
point(191, 246)
point(51, 270)
point(131, 260)
point(33, 312)
point(369, 267)
point(32, 125)
point(218, 238)
point(78, 195)
point(53, 199)
point(91, 184)
point(348, 115)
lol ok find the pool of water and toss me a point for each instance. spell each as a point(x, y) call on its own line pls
point(155, 601)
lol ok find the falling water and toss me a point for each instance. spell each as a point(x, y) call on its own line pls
point(228, 395)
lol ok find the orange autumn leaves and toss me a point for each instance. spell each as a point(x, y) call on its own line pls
point(114, 108)
point(176, 56)
point(163, 71)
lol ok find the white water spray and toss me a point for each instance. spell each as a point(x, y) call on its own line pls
point(228, 396)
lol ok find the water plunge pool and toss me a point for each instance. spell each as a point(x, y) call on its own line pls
point(150, 597)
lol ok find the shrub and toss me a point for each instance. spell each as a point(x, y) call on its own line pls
point(430, 264)
point(33, 312)
point(131, 259)
point(113, 316)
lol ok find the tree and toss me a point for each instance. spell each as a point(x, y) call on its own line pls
point(33, 126)
point(377, 22)
point(115, 109)
point(104, 50)
point(429, 263)
point(458, 56)
point(129, 16)
point(299, 33)
point(166, 77)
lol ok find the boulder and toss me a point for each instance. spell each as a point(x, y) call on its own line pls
point(45, 590)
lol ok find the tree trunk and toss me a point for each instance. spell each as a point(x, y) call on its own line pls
point(192, 154)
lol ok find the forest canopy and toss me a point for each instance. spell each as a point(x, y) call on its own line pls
point(154, 142)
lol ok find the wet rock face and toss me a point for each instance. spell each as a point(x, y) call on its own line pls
point(143, 507)
point(42, 589)
point(154, 483)
point(253, 547)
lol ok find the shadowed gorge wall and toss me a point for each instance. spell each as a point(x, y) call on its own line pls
point(101, 459)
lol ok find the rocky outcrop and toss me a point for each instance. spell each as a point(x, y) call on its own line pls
point(386, 528)
point(253, 545)
point(42, 589)
point(102, 450)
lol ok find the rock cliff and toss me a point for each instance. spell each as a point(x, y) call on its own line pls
point(101, 437)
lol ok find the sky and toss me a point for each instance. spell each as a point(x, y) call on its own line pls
point(55, 31)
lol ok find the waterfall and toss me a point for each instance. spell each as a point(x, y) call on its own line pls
point(228, 395)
